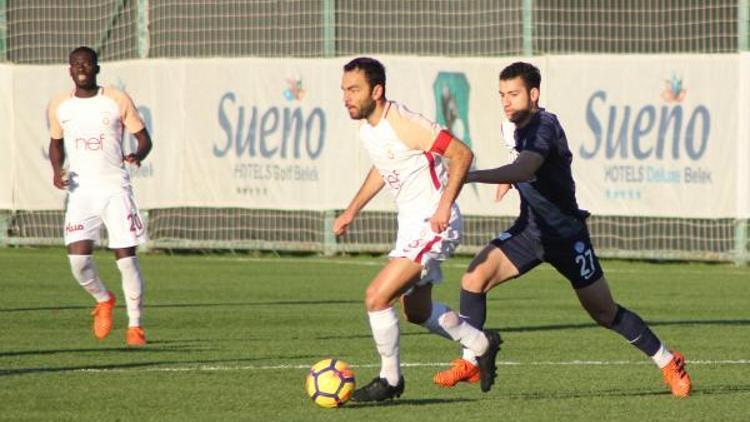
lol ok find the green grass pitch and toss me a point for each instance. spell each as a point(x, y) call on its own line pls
point(230, 338)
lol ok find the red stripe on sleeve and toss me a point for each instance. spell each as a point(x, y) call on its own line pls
point(441, 142)
point(433, 173)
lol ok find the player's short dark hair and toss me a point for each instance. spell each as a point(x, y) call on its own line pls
point(90, 51)
point(529, 73)
point(374, 70)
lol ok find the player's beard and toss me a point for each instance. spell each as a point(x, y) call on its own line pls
point(365, 111)
point(519, 116)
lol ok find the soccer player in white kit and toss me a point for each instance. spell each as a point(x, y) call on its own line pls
point(87, 125)
point(408, 153)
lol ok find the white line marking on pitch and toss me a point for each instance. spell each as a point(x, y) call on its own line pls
point(208, 368)
point(448, 264)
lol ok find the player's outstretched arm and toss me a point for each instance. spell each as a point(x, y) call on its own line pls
point(57, 158)
point(460, 158)
point(370, 187)
point(143, 148)
point(521, 170)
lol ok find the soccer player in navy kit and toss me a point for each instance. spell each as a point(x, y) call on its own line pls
point(551, 228)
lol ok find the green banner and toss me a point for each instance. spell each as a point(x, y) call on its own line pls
point(743, 23)
point(451, 90)
point(3, 31)
point(452, 102)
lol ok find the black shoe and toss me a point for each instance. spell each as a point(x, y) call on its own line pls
point(379, 390)
point(487, 365)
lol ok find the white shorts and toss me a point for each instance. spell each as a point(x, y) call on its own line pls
point(118, 211)
point(417, 242)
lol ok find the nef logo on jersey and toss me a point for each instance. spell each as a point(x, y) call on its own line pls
point(70, 228)
point(94, 143)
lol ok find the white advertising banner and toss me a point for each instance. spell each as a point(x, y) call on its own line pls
point(260, 133)
point(151, 86)
point(159, 91)
point(33, 87)
point(743, 140)
point(267, 134)
point(650, 135)
point(6, 137)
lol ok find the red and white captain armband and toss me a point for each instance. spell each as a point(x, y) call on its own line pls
point(441, 143)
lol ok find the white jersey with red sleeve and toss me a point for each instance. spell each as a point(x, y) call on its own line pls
point(92, 129)
point(406, 148)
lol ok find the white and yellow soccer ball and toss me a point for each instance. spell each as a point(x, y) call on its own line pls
point(330, 383)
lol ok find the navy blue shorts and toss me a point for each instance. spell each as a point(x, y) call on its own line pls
point(573, 257)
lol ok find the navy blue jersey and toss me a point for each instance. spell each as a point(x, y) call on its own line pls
point(548, 201)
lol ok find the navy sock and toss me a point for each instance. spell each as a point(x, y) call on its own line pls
point(635, 331)
point(474, 308)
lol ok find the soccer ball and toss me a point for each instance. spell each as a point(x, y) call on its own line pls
point(330, 383)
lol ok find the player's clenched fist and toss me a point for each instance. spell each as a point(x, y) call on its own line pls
point(60, 179)
point(342, 223)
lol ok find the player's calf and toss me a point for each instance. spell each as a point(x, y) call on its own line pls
point(132, 287)
point(85, 272)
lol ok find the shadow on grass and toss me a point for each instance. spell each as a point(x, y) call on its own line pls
point(720, 389)
point(406, 402)
point(194, 305)
point(124, 367)
point(561, 327)
point(583, 394)
point(176, 347)
point(556, 327)
point(697, 391)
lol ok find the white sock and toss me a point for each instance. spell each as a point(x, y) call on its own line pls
point(662, 357)
point(461, 331)
point(385, 332)
point(85, 273)
point(433, 323)
point(469, 356)
point(132, 286)
point(435, 326)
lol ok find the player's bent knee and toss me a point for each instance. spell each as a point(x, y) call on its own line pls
point(473, 282)
point(374, 302)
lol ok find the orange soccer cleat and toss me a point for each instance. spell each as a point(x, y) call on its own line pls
point(461, 370)
point(135, 336)
point(676, 377)
point(102, 314)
